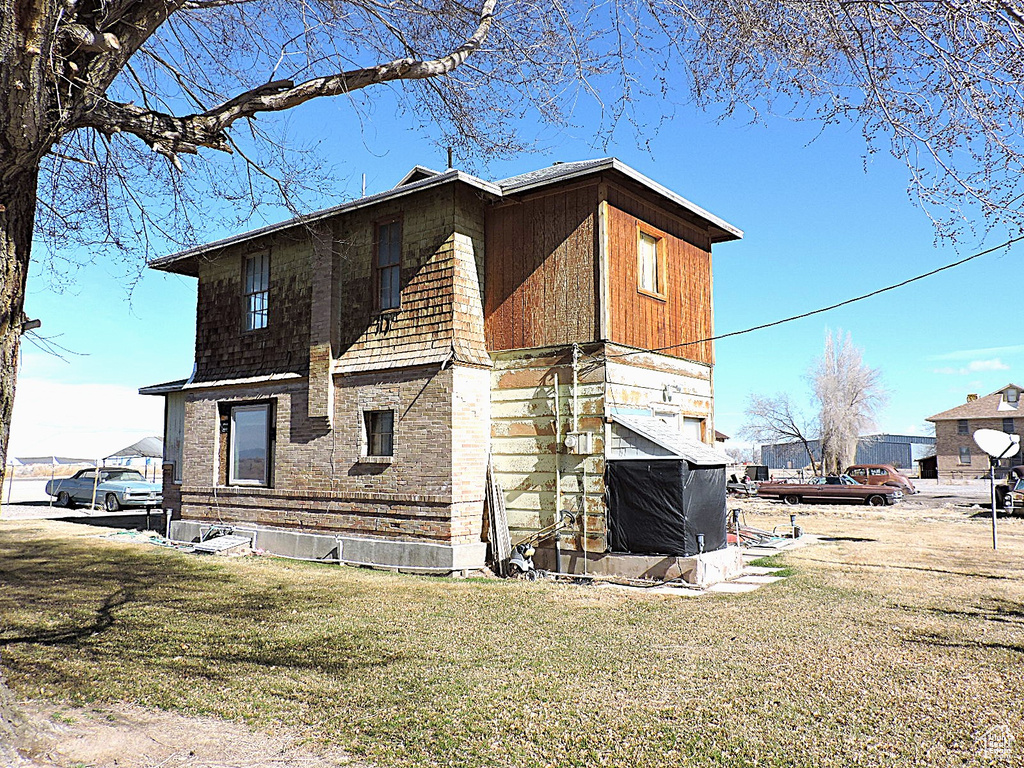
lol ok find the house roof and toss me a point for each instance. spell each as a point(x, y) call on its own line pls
point(186, 263)
point(991, 406)
point(659, 431)
point(163, 389)
point(420, 178)
point(562, 172)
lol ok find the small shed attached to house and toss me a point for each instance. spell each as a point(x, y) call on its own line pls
point(666, 493)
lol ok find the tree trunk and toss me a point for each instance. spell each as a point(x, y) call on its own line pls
point(17, 216)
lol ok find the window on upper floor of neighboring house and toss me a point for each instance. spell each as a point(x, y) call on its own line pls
point(250, 438)
point(1012, 396)
point(388, 265)
point(962, 427)
point(1008, 426)
point(650, 264)
point(257, 291)
point(965, 454)
point(380, 432)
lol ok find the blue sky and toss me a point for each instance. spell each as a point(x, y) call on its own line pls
point(822, 223)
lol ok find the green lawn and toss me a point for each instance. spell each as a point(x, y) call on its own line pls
point(887, 650)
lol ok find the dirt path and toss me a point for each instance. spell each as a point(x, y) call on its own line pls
point(132, 737)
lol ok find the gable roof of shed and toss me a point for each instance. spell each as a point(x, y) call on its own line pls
point(661, 432)
point(991, 406)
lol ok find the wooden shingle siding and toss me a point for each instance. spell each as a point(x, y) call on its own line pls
point(440, 284)
point(646, 322)
point(223, 349)
point(540, 272)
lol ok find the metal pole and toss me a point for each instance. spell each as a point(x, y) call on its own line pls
point(992, 489)
point(558, 474)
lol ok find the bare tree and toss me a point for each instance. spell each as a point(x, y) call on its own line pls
point(109, 109)
point(775, 420)
point(849, 394)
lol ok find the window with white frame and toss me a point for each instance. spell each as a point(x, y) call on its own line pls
point(693, 428)
point(965, 454)
point(380, 432)
point(389, 265)
point(650, 264)
point(257, 291)
point(249, 444)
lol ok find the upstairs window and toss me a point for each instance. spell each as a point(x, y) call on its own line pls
point(389, 265)
point(962, 427)
point(257, 291)
point(650, 264)
point(1012, 396)
point(380, 432)
point(1008, 426)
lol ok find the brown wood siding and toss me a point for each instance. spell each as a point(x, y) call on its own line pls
point(638, 320)
point(540, 287)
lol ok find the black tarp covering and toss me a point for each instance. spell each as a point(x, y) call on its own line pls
point(658, 506)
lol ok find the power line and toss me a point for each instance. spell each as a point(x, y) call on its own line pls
point(829, 308)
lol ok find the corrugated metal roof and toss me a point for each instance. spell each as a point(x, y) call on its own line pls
point(664, 434)
point(991, 406)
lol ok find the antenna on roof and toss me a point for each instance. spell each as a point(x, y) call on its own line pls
point(364, 185)
point(449, 158)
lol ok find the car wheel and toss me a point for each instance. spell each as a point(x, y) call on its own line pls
point(876, 500)
point(791, 499)
point(64, 500)
point(111, 504)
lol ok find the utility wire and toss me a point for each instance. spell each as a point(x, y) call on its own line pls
point(829, 308)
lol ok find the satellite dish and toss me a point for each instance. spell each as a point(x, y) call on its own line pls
point(996, 444)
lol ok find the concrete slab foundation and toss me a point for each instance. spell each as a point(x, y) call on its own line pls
point(700, 570)
point(406, 556)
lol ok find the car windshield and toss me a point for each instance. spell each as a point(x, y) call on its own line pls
point(1019, 486)
point(122, 475)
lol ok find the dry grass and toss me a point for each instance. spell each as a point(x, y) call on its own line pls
point(899, 643)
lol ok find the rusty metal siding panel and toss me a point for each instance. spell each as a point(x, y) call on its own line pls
point(540, 270)
point(685, 314)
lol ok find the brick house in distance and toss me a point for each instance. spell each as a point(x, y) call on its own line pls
point(357, 369)
point(956, 452)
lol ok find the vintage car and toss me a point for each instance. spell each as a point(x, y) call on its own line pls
point(836, 489)
point(1013, 499)
point(881, 474)
point(116, 487)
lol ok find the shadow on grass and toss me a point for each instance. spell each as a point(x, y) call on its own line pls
point(140, 608)
point(919, 568)
point(938, 641)
point(104, 619)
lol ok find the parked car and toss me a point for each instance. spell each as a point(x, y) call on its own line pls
point(881, 474)
point(837, 489)
point(116, 487)
point(1013, 498)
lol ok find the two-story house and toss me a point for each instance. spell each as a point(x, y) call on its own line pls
point(358, 369)
point(956, 452)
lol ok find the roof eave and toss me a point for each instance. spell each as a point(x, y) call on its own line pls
point(185, 262)
point(721, 230)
